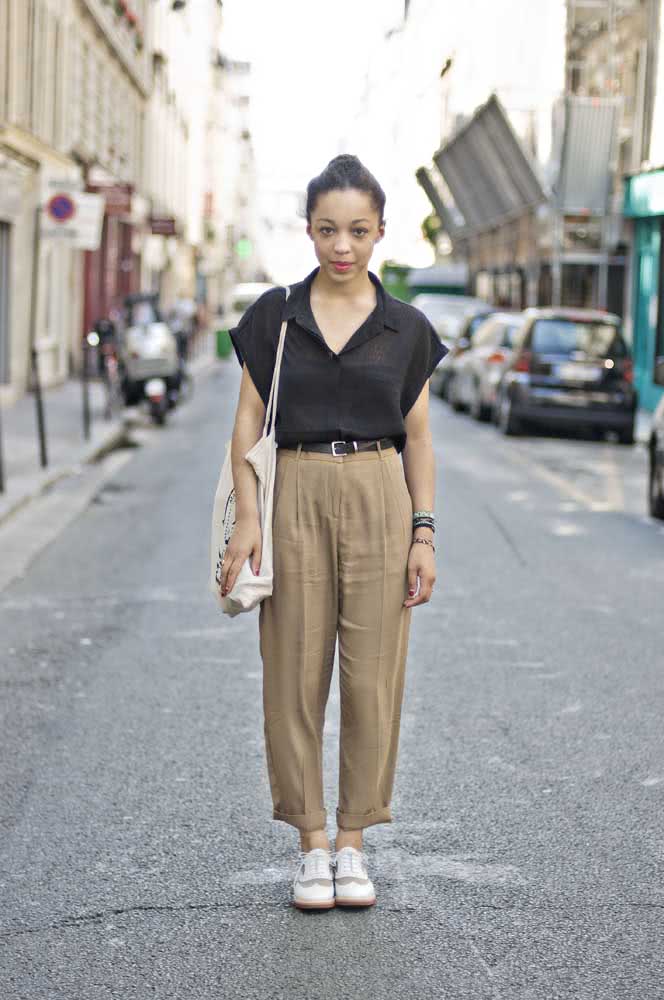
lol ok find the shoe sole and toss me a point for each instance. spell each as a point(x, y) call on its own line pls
point(355, 902)
point(325, 905)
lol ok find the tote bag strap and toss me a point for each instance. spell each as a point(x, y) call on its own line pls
point(274, 388)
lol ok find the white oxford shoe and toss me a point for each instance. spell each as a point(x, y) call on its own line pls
point(313, 888)
point(353, 887)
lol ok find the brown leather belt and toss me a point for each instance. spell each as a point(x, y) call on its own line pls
point(345, 447)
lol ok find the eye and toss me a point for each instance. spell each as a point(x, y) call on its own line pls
point(325, 229)
point(362, 232)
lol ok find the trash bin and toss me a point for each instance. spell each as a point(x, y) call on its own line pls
point(224, 344)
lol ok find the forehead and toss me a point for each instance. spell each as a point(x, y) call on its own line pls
point(344, 205)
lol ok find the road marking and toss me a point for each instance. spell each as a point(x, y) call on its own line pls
point(553, 479)
point(567, 528)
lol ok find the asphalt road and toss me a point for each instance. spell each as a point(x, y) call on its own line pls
point(138, 856)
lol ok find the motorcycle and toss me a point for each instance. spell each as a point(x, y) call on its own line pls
point(150, 362)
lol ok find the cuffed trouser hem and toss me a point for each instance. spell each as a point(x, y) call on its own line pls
point(303, 821)
point(357, 821)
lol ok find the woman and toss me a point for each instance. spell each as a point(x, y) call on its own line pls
point(353, 524)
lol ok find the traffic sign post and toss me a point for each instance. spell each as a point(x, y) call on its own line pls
point(73, 216)
point(34, 361)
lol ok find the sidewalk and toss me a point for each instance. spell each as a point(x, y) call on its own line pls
point(66, 446)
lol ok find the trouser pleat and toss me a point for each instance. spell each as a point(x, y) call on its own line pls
point(341, 536)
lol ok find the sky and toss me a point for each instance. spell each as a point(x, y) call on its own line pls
point(309, 59)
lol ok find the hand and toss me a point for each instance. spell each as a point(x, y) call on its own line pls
point(422, 564)
point(246, 542)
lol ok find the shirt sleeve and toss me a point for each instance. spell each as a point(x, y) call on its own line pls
point(428, 353)
point(256, 338)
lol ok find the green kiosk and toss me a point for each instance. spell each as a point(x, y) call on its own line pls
point(644, 203)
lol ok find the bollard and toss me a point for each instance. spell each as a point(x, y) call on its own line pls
point(224, 343)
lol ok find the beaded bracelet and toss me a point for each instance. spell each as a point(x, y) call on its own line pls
point(424, 519)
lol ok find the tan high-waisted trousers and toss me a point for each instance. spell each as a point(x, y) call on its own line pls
point(341, 538)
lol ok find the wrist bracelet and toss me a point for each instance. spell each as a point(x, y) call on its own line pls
point(425, 541)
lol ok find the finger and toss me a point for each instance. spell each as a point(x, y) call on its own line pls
point(412, 580)
point(256, 560)
point(231, 573)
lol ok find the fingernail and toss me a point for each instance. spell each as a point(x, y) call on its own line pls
point(411, 592)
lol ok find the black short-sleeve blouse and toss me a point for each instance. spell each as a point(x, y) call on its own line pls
point(364, 391)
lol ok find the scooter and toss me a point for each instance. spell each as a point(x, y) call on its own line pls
point(150, 361)
point(156, 394)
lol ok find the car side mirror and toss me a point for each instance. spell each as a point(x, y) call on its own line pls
point(659, 371)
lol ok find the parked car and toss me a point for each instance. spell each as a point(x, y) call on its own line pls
point(471, 323)
point(449, 315)
point(476, 371)
point(656, 453)
point(569, 366)
point(240, 298)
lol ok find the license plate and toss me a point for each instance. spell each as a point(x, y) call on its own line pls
point(580, 373)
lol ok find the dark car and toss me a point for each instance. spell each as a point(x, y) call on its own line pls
point(656, 453)
point(478, 371)
point(570, 367)
point(461, 343)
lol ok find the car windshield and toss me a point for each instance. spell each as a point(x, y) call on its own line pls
point(476, 322)
point(142, 312)
point(564, 336)
point(510, 334)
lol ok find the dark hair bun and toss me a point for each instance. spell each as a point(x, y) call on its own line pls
point(343, 172)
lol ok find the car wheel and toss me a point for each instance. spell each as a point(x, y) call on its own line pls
point(477, 408)
point(453, 394)
point(507, 422)
point(626, 436)
point(656, 487)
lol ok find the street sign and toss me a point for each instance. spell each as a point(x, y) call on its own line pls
point(73, 216)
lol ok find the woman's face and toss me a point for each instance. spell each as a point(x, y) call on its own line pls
point(344, 228)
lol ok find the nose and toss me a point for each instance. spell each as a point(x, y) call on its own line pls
point(341, 246)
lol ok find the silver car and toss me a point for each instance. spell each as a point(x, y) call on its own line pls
point(477, 372)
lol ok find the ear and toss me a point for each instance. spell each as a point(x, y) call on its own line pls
point(309, 232)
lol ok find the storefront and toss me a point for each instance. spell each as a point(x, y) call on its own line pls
point(644, 203)
point(112, 271)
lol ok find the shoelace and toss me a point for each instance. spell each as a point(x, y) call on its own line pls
point(315, 865)
point(355, 862)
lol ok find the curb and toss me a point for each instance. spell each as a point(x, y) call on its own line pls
point(113, 440)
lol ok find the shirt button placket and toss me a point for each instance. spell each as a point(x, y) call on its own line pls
point(336, 358)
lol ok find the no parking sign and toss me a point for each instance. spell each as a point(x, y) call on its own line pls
point(73, 216)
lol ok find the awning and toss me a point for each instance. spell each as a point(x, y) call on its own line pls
point(488, 172)
point(451, 219)
point(587, 128)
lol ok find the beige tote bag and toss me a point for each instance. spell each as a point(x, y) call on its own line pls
point(248, 590)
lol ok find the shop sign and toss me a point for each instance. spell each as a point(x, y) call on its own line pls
point(117, 197)
point(163, 225)
point(644, 195)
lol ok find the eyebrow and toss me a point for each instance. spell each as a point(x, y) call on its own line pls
point(352, 223)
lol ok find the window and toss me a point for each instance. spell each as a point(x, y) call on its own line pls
point(486, 334)
point(511, 332)
point(563, 336)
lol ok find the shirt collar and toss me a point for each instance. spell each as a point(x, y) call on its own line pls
point(298, 307)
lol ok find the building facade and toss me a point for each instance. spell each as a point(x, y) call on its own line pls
point(112, 97)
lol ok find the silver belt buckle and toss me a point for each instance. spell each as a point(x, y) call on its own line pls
point(337, 453)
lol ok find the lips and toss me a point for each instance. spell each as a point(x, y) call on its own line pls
point(341, 265)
